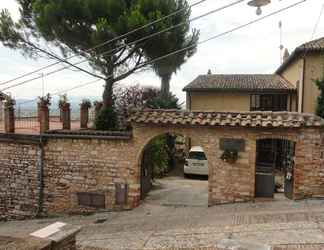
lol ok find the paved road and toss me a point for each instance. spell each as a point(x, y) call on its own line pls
point(167, 220)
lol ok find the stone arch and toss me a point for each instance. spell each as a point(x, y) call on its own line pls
point(148, 133)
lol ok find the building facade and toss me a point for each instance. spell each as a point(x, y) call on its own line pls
point(290, 88)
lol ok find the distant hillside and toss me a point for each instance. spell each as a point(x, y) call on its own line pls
point(75, 101)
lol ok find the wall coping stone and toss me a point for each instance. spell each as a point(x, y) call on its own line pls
point(60, 134)
point(20, 138)
point(89, 134)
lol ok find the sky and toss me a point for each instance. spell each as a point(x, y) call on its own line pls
point(254, 49)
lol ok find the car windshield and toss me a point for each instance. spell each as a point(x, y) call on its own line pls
point(197, 156)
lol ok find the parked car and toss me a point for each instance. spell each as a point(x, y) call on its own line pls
point(196, 163)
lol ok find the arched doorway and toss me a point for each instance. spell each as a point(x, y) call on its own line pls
point(170, 186)
point(274, 167)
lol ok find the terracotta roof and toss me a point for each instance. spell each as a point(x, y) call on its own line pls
point(240, 82)
point(228, 119)
point(317, 44)
point(309, 47)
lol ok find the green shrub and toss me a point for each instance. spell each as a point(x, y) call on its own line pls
point(106, 120)
point(320, 100)
point(160, 102)
point(158, 156)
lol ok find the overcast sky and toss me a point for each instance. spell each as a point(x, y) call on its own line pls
point(254, 49)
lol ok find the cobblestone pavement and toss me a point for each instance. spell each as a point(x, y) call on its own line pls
point(162, 224)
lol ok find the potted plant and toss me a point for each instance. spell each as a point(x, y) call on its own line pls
point(63, 102)
point(85, 104)
point(84, 113)
point(9, 102)
point(230, 156)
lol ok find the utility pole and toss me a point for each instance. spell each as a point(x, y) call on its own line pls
point(43, 85)
point(281, 47)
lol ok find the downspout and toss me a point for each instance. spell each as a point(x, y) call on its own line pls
point(40, 163)
point(303, 85)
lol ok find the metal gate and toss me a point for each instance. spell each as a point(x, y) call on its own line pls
point(289, 168)
point(265, 164)
point(146, 174)
point(274, 155)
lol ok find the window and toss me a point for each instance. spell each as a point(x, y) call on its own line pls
point(197, 156)
point(269, 102)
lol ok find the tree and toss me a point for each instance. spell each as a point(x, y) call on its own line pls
point(182, 39)
point(74, 26)
point(144, 97)
point(320, 99)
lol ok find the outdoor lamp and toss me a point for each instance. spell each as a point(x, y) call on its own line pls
point(259, 4)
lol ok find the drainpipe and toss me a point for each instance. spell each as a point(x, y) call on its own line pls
point(40, 163)
point(304, 72)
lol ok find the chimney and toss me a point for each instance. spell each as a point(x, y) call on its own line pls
point(286, 55)
point(209, 72)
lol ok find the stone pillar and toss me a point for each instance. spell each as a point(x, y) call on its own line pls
point(1, 110)
point(38, 112)
point(66, 116)
point(9, 116)
point(43, 116)
point(84, 115)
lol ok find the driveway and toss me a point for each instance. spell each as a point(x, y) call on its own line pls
point(178, 191)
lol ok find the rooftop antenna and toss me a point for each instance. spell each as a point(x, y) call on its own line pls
point(281, 47)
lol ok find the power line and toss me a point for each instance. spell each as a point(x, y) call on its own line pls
point(132, 43)
point(64, 61)
point(108, 42)
point(317, 22)
point(206, 40)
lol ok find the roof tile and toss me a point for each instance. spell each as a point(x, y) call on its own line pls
point(233, 119)
point(240, 82)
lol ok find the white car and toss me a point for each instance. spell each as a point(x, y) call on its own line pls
point(196, 163)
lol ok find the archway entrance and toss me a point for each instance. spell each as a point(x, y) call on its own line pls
point(274, 167)
point(164, 173)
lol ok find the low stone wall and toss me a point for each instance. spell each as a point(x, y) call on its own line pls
point(309, 164)
point(88, 167)
point(19, 183)
point(85, 171)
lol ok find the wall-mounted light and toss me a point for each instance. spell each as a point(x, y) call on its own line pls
point(258, 4)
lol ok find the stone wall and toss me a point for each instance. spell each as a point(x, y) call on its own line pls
point(309, 164)
point(86, 164)
point(18, 180)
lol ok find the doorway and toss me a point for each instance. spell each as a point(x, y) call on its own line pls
point(274, 168)
point(164, 181)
